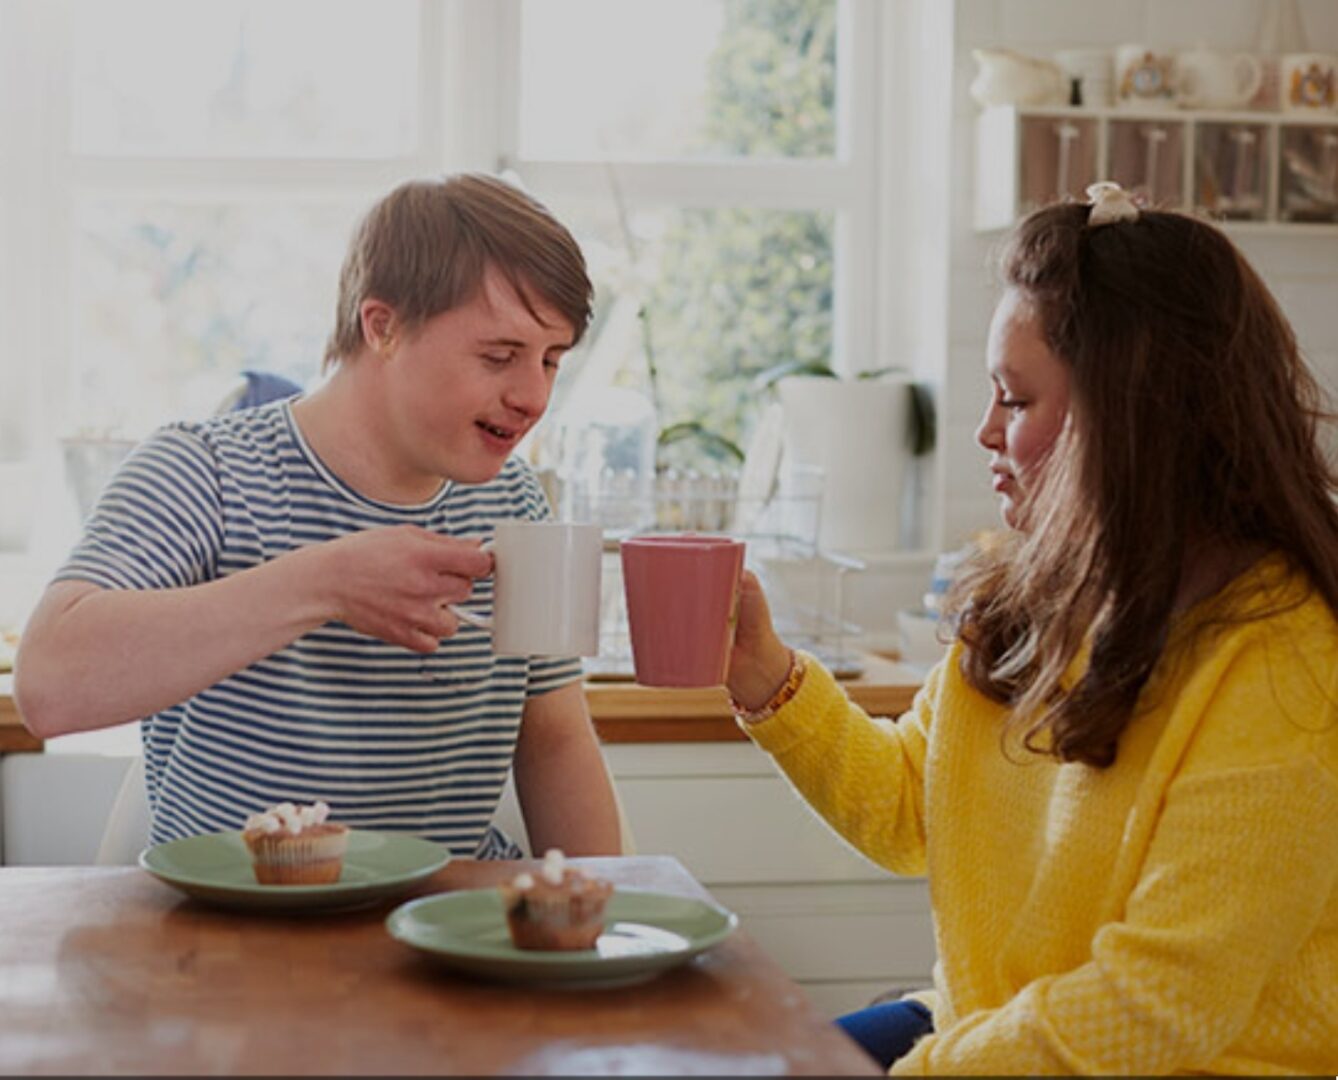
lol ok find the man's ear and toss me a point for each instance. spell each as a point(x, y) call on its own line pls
point(378, 324)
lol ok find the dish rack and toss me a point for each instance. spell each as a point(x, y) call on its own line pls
point(805, 586)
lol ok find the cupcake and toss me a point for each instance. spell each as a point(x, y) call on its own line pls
point(560, 907)
point(296, 845)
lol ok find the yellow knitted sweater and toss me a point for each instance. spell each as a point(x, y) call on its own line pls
point(1176, 912)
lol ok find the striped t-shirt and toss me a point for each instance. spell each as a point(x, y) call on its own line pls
point(391, 739)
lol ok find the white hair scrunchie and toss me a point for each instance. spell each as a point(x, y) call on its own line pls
point(1110, 203)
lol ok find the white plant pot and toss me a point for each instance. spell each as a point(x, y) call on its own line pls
point(859, 433)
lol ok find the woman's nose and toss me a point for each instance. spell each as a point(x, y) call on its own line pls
point(989, 432)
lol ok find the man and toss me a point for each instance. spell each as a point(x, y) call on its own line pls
point(269, 590)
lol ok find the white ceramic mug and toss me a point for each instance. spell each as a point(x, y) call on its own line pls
point(1309, 82)
point(545, 589)
point(1144, 78)
point(1205, 79)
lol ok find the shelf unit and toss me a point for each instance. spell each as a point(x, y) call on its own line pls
point(1255, 171)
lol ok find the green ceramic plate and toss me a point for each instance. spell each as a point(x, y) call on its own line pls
point(216, 867)
point(645, 933)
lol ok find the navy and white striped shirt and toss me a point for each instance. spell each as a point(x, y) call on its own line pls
point(390, 738)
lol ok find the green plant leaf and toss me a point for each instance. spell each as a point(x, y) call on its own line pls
point(715, 444)
point(763, 380)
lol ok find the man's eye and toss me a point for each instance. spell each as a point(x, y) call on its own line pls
point(552, 362)
point(1012, 403)
point(496, 358)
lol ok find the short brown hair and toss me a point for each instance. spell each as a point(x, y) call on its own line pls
point(425, 247)
point(1193, 416)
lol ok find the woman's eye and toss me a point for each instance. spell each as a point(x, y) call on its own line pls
point(1011, 403)
point(495, 358)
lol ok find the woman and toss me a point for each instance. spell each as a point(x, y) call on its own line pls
point(1122, 779)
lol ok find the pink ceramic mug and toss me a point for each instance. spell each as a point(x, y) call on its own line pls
point(682, 604)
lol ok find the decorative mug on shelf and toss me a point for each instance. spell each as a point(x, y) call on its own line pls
point(1309, 82)
point(1011, 78)
point(1144, 78)
point(1206, 79)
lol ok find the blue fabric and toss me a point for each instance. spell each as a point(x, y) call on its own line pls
point(888, 1030)
point(262, 387)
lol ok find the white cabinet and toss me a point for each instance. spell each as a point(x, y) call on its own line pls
point(844, 929)
point(1251, 170)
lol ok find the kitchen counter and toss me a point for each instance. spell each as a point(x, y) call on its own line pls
point(14, 736)
point(625, 712)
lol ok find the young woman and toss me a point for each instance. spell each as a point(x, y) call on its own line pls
point(1122, 780)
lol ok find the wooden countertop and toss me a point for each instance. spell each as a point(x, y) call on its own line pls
point(14, 736)
point(625, 712)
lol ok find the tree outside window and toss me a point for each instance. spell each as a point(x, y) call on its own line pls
point(722, 293)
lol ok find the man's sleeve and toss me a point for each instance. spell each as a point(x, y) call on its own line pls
point(158, 523)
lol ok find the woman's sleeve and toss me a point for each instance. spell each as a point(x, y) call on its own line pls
point(864, 776)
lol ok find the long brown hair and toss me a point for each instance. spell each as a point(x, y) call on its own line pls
point(424, 248)
point(1192, 418)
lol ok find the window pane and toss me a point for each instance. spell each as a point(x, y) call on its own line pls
point(678, 78)
point(714, 297)
point(302, 78)
point(14, 373)
point(172, 300)
point(17, 474)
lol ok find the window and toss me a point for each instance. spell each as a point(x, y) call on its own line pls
point(204, 192)
point(183, 181)
point(722, 192)
point(243, 79)
point(171, 216)
point(180, 181)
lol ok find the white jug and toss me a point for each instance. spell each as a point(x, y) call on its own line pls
point(1216, 80)
point(1010, 78)
point(857, 432)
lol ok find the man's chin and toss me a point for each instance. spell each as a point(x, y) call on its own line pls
point(476, 472)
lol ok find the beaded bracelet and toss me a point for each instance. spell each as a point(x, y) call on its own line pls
point(793, 680)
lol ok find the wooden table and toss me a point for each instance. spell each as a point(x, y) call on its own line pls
point(625, 712)
point(107, 970)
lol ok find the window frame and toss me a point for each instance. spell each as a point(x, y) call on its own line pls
point(845, 185)
point(468, 51)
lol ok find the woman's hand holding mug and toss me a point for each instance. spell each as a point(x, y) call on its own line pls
point(760, 661)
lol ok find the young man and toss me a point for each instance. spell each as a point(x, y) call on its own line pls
point(268, 590)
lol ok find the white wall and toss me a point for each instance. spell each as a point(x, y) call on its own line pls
point(1302, 271)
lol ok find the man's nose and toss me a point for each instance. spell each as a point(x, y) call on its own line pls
point(529, 389)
